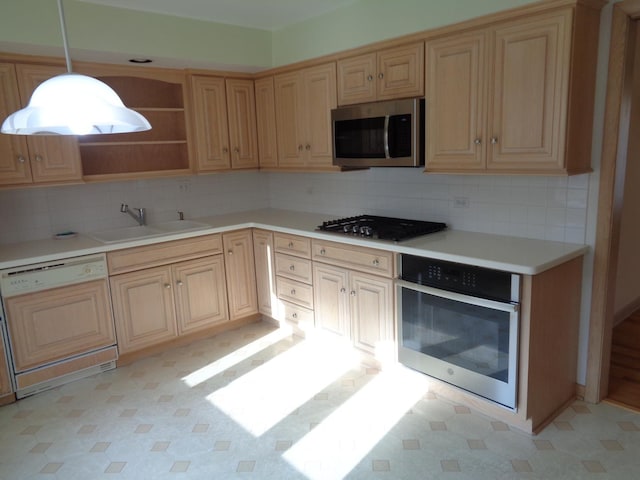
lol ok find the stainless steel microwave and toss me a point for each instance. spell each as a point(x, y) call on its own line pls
point(380, 134)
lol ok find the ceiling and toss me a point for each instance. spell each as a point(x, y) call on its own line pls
point(262, 14)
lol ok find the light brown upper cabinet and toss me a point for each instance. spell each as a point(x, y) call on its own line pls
point(392, 73)
point(34, 159)
point(304, 99)
point(514, 98)
point(266, 122)
point(159, 95)
point(225, 123)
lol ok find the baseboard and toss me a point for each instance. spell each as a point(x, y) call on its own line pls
point(626, 311)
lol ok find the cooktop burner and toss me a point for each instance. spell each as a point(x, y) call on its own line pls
point(383, 228)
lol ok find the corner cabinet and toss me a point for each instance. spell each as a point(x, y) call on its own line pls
point(241, 273)
point(304, 99)
point(514, 98)
point(265, 278)
point(225, 123)
point(391, 73)
point(266, 122)
point(34, 159)
point(157, 94)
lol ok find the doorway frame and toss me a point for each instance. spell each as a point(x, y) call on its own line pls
point(610, 196)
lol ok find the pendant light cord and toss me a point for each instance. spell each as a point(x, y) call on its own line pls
point(65, 43)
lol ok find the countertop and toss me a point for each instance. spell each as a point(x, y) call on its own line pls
point(513, 254)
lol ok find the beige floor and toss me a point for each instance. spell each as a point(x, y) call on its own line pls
point(257, 403)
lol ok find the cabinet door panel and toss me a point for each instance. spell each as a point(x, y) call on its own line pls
point(143, 308)
point(289, 105)
point(241, 109)
point(320, 96)
point(456, 103)
point(14, 156)
point(530, 94)
point(241, 274)
point(402, 72)
point(201, 293)
point(331, 299)
point(59, 323)
point(372, 314)
point(266, 122)
point(265, 275)
point(211, 123)
point(357, 79)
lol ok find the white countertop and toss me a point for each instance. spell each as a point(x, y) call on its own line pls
point(513, 254)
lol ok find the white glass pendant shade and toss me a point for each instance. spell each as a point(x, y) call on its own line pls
point(73, 104)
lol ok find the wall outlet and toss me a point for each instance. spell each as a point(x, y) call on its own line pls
point(461, 202)
point(184, 186)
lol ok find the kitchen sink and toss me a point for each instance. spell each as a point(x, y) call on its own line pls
point(122, 234)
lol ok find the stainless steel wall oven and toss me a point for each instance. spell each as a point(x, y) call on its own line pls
point(459, 324)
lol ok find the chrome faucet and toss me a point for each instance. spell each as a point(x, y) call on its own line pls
point(138, 215)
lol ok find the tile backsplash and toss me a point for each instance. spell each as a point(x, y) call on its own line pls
point(553, 208)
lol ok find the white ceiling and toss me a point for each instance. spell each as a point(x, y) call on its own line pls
point(262, 14)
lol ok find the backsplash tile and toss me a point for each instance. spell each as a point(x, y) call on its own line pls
point(553, 208)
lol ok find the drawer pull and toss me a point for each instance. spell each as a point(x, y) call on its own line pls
point(290, 245)
point(293, 291)
point(292, 268)
point(294, 315)
point(376, 262)
point(323, 251)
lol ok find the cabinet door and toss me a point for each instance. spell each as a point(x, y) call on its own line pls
point(357, 78)
point(456, 105)
point(530, 91)
point(289, 117)
point(59, 323)
point(143, 307)
point(266, 122)
point(331, 299)
point(211, 123)
point(372, 314)
point(201, 293)
point(401, 72)
point(320, 98)
point(265, 276)
point(54, 158)
point(5, 381)
point(14, 156)
point(241, 110)
point(241, 274)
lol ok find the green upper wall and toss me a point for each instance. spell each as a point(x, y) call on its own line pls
point(121, 34)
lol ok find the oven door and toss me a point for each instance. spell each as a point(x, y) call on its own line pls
point(466, 341)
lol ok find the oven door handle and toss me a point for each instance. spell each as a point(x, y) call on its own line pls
point(460, 297)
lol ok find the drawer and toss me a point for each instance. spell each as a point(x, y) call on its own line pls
point(294, 292)
point(292, 244)
point(164, 253)
point(296, 314)
point(295, 268)
point(369, 260)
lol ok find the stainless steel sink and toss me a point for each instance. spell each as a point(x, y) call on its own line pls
point(122, 234)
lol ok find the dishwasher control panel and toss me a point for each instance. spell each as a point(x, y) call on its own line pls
point(43, 276)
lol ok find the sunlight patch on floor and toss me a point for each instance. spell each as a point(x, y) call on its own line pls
point(215, 368)
point(350, 432)
point(264, 396)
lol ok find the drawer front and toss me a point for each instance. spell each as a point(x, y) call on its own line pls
point(292, 245)
point(137, 258)
point(295, 292)
point(369, 260)
point(296, 314)
point(294, 268)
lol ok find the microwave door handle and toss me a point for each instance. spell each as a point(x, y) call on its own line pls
point(386, 137)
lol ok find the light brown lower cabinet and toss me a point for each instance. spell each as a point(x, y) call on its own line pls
point(357, 306)
point(241, 273)
point(265, 278)
point(5, 382)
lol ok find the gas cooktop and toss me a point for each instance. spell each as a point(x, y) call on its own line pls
point(382, 228)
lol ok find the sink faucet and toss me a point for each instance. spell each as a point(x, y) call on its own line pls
point(138, 215)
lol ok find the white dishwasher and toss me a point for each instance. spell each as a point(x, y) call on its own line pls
point(59, 322)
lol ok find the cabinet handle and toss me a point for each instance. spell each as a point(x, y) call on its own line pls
point(229, 252)
point(21, 159)
point(38, 158)
point(494, 140)
point(294, 315)
point(369, 77)
point(167, 285)
point(292, 268)
point(307, 147)
point(343, 290)
point(376, 262)
point(179, 282)
point(353, 293)
point(293, 291)
point(477, 141)
point(236, 150)
point(225, 150)
point(290, 245)
point(323, 251)
point(300, 148)
point(381, 75)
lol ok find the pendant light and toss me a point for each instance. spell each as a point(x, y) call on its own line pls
point(73, 104)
